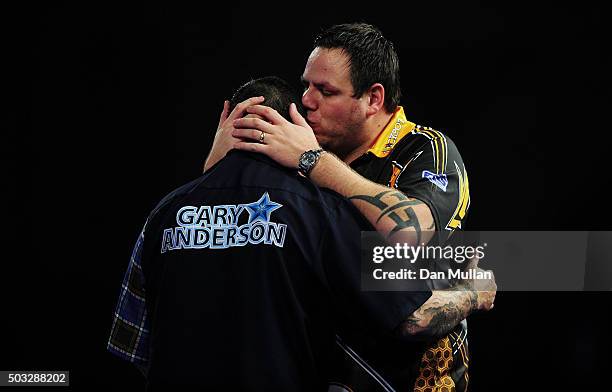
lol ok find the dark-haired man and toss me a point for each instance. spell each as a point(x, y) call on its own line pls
point(239, 277)
point(407, 180)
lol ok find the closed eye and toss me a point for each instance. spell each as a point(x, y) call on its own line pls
point(324, 91)
point(321, 87)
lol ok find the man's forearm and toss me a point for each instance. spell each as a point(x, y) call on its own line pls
point(387, 209)
point(440, 313)
point(406, 220)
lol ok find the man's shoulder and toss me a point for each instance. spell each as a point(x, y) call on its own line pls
point(422, 137)
point(253, 170)
point(175, 194)
point(424, 134)
point(246, 169)
point(251, 173)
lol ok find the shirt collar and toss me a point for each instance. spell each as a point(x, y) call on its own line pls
point(397, 127)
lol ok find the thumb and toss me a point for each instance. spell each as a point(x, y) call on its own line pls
point(224, 113)
point(296, 117)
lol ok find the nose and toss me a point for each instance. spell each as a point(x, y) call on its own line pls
point(309, 100)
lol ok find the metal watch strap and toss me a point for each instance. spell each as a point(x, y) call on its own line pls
point(306, 169)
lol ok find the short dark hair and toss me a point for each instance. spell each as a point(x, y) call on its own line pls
point(371, 56)
point(277, 92)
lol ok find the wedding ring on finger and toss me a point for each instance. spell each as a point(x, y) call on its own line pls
point(261, 137)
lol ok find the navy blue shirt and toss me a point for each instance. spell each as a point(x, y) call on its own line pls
point(242, 277)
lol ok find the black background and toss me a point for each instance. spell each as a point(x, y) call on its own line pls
point(117, 103)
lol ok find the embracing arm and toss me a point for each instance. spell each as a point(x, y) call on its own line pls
point(389, 211)
point(440, 313)
point(447, 308)
point(410, 220)
point(393, 214)
point(398, 217)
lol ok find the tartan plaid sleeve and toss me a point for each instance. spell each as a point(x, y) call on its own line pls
point(129, 338)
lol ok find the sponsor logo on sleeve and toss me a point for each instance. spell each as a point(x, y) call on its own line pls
point(439, 180)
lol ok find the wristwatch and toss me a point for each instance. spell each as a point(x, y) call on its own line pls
point(308, 160)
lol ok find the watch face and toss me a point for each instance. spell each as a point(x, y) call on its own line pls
point(309, 159)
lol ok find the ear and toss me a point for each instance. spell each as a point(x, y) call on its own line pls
point(376, 99)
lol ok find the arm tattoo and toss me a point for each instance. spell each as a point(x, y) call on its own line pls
point(439, 315)
point(390, 209)
point(374, 200)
